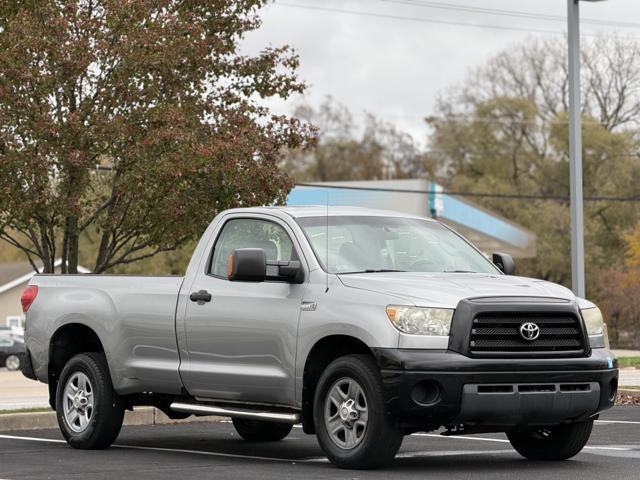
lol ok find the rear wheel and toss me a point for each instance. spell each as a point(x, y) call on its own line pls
point(553, 443)
point(12, 362)
point(261, 431)
point(89, 411)
point(351, 423)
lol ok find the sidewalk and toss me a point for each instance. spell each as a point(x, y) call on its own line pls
point(629, 377)
point(17, 392)
point(626, 353)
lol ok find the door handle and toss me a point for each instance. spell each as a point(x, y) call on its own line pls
point(201, 297)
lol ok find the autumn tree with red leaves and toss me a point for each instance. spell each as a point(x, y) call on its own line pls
point(128, 124)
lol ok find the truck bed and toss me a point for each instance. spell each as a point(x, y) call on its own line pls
point(135, 313)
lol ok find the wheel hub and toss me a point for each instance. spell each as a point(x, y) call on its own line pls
point(348, 412)
point(78, 402)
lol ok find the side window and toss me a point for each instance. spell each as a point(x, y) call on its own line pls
point(251, 233)
point(5, 342)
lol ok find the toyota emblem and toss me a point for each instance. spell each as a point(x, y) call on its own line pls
point(529, 331)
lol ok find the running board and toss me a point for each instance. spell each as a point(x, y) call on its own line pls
point(235, 412)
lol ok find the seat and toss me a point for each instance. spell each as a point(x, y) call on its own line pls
point(352, 254)
point(269, 247)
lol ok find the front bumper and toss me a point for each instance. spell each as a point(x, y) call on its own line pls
point(427, 389)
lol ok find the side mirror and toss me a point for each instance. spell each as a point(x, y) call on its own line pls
point(247, 265)
point(504, 262)
point(250, 265)
point(291, 271)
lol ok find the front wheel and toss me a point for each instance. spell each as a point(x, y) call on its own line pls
point(261, 431)
point(351, 423)
point(89, 411)
point(12, 362)
point(553, 443)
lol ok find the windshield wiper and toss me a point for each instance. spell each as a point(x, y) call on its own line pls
point(373, 270)
point(459, 271)
point(382, 270)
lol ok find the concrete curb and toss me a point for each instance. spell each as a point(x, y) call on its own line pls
point(140, 416)
point(629, 391)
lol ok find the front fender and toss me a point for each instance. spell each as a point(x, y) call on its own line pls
point(341, 311)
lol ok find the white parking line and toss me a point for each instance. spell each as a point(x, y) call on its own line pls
point(219, 454)
point(445, 453)
point(32, 439)
point(175, 450)
point(499, 440)
point(323, 459)
point(270, 459)
point(460, 437)
point(623, 422)
point(453, 453)
point(438, 453)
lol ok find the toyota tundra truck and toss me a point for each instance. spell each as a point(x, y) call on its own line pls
point(362, 325)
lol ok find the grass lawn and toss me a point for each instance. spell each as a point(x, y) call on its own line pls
point(26, 410)
point(629, 362)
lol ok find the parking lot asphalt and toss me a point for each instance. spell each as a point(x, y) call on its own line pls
point(214, 450)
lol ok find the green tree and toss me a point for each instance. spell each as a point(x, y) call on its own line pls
point(378, 151)
point(618, 291)
point(505, 130)
point(126, 126)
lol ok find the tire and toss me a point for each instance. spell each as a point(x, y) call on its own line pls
point(261, 431)
point(555, 443)
point(12, 362)
point(98, 410)
point(350, 393)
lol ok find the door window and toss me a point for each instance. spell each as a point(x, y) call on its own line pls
point(251, 233)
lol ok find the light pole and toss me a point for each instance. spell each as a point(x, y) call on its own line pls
point(575, 148)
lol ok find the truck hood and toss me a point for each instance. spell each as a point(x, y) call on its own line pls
point(445, 290)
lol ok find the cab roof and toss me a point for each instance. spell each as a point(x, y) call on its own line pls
point(299, 211)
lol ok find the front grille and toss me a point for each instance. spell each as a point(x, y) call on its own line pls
point(499, 333)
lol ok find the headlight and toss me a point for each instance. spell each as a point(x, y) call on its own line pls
point(593, 320)
point(421, 321)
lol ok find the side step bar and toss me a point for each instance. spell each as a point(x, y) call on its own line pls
point(235, 412)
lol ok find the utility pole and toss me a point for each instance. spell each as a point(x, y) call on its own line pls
point(575, 147)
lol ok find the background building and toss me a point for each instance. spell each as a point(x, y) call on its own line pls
point(487, 230)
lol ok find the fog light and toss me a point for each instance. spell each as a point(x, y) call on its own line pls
point(426, 393)
point(613, 389)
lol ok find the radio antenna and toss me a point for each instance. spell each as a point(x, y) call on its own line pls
point(327, 245)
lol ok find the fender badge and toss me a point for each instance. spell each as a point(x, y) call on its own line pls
point(308, 306)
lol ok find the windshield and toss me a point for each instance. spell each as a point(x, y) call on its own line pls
point(374, 244)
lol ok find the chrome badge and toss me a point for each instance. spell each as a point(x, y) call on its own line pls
point(529, 331)
point(308, 306)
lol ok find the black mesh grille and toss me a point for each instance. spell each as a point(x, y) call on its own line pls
point(499, 333)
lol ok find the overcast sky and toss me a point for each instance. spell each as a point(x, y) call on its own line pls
point(395, 67)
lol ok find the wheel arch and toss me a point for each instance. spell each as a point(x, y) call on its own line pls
point(323, 352)
point(68, 340)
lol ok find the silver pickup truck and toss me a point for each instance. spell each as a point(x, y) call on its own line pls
point(362, 325)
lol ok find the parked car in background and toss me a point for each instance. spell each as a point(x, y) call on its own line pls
point(12, 351)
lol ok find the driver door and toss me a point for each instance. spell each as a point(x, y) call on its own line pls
point(242, 344)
